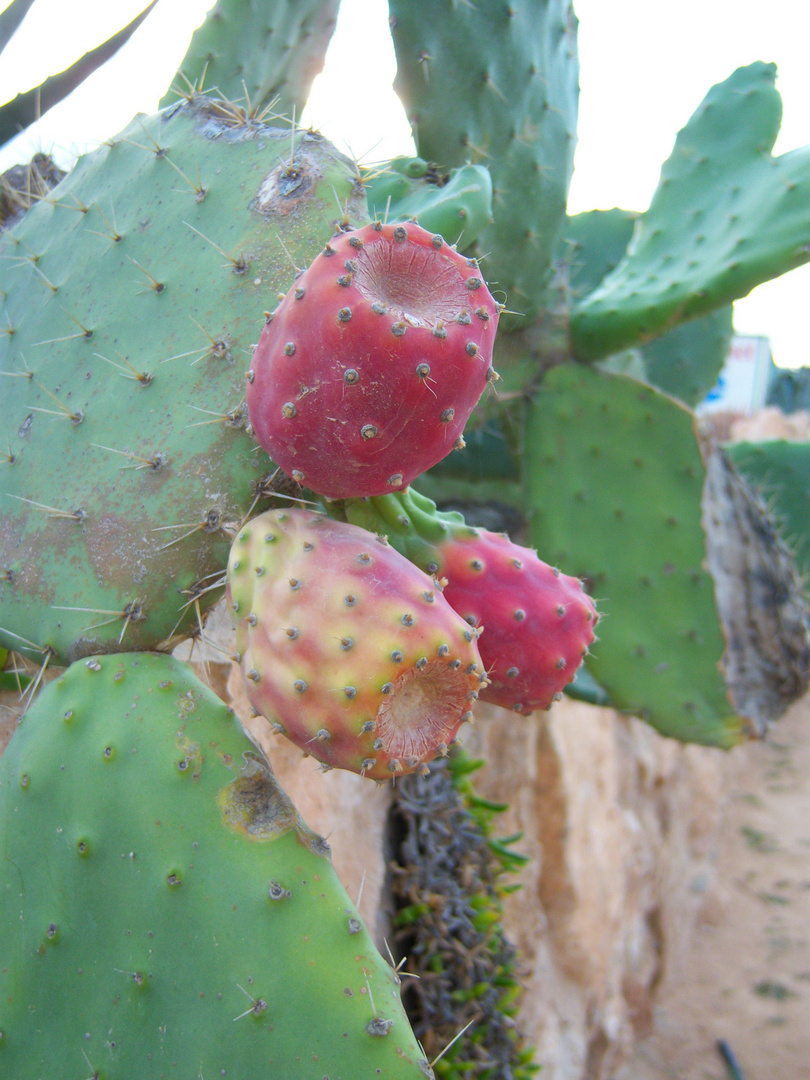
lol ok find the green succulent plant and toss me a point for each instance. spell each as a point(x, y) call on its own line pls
point(200, 929)
point(131, 293)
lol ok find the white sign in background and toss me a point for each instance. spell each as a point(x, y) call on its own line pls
point(743, 382)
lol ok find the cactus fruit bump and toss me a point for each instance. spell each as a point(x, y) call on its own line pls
point(368, 370)
point(348, 648)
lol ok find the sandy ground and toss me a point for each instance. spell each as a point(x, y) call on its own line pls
point(745, 977)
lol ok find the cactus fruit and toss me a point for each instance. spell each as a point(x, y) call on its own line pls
point(371, 365)
point(346, 647)
point(165, 911)
point(538, 622)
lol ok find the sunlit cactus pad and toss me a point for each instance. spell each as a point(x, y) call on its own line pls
point(130, 301)
point(263, 54)
point(165, 910)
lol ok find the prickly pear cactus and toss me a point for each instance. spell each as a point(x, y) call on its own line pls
point(696, 588)
point(687, 360)
point(165, 910)
point(498, 84)
point(726, 216)
point(651, 503)
point(458, 204)
point(132, 297)
point(176, 915)
point(265, 55)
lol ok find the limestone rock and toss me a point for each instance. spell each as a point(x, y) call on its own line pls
point(621, 826)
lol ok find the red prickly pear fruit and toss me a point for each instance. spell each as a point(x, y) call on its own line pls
point(538, 622)
point(346, 647)
point(369, 368)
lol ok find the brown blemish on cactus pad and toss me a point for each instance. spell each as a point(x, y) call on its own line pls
point(415, 283)
point(286, 187)
point(255, 805)
point(423, 709)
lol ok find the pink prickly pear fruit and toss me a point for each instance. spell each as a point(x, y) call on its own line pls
point(346, 647)
point(369, 368)
point(539, 622)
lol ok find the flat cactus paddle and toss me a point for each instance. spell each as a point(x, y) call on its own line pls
point(132, 298)
point(165, 910)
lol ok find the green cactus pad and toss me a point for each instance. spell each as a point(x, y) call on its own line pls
point(780, 471)
point(684, 362)
point(726, 216)
point(164, 910)
point(593, 244)
point(497, 84)
point(614, 481)
point(270, 51)
point(494, 433)
point(131, 299)
point(457, 206)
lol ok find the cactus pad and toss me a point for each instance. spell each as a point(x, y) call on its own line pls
point(686, 360)
point(726, 216)
point(626, 515)
point(705, 629)
point(497, 84)
point(457, 205)
point(131, 299)
point(264, 54)
point(164, 910)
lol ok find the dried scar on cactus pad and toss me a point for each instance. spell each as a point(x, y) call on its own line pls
point(346, 647)
point(368, 370)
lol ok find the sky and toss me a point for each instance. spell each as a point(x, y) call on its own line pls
point(644, 69)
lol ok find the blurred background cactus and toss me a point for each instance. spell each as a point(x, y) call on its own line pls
point(134, 287)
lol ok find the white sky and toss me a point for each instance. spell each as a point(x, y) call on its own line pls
point(645, 68)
